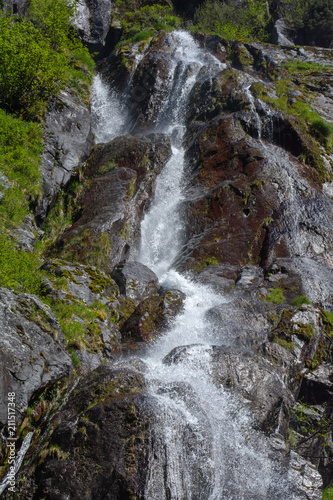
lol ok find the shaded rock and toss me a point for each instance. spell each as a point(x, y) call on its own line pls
point(241, 57)
point(98, 443)
point(16, 6)
point(32, 352)
point(215, 96)
point(135, 280)
point(92, 19)
point(120, 66)
point(282, 34)
point(152, 316)
point(317, 386)
point(149, 87)
point(214, 44)
point(120, 184)
point(68, 141)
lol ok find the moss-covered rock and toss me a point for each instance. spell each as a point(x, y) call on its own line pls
point(98, 441)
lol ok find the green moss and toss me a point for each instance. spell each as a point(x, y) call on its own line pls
point(131, 189)
point(318, 358)
point(64, 212)
point(286, 344)
point(305, 331)
point(298, 301)
point(125, 232)
point(202, 263)
point(87, 249)
point(108, 167)
point(75, 360)
point(275, 296)
point(19, 270)
point(266, 222)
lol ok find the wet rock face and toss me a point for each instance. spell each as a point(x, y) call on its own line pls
point(120, 181)
point(149, 87)
point(257, 380)
point(68, 142)
point(98, 442)
point(32, 352)
point(231, 201)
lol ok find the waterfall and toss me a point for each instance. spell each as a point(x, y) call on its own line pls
point(203, 445)
point(108, 113)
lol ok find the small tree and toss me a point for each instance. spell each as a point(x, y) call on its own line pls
point(233, 21)
point(30, 71)
point(54, 18)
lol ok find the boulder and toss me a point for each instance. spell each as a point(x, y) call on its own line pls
point(282, 34)
point(135, 280)
point(256, 379)
point(98, 443)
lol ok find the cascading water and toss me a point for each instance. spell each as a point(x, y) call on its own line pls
point(202, 445)
point(108, 113)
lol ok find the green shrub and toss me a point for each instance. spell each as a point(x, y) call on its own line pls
point(141, 23)
point(54, 19)
point(21, 145)
point(327, 494)
point(18, 269)
point(30, 71)
point(232, 21)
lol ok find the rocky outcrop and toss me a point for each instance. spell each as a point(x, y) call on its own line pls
point(92, 19)
point(282, 34)
point(68, 141)
point(16, 6)
point(149, 88)
point(32, 350)
point(120, 179)
point(97, 443)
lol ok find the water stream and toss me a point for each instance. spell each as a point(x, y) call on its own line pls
point(203, 446)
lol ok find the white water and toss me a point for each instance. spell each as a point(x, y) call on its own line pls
point(108, 113)
point(18, 461)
